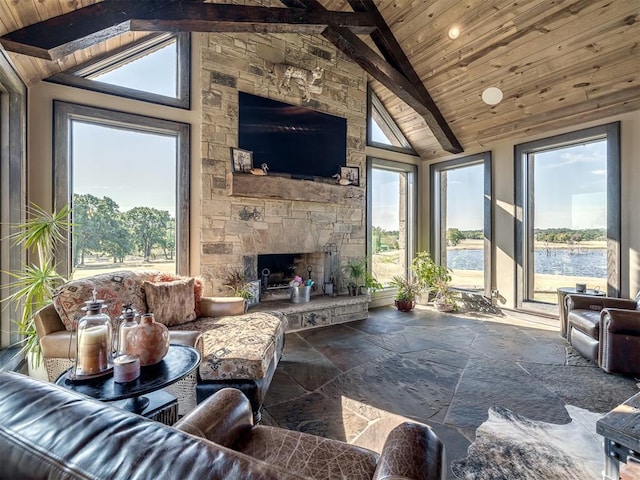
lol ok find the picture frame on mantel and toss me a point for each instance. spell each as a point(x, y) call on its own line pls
point(352, 174)
point(241, 160)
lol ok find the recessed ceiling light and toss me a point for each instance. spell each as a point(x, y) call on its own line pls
point(492, 96)
point(454, 32)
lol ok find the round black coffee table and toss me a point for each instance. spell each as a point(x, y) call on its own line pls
point(179, 362)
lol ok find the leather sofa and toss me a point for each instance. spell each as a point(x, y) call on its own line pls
point(47, 432)
point(238, 350)
point(605, 330)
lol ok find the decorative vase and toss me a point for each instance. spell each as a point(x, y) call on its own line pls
point(353, 290)
point(405, 305)
point(149, 340)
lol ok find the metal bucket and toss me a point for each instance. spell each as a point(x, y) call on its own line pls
point(300, 294)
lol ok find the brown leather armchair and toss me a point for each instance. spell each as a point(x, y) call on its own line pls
point(49, 432)
point(605, 330)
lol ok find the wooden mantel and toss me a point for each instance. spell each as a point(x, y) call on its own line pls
point(281, 188)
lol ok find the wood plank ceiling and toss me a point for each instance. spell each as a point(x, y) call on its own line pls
point(558, 62)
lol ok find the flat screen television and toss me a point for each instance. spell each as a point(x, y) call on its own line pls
point(291, 139)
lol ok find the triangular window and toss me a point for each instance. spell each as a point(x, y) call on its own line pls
point(154, 70)
point(382, 129)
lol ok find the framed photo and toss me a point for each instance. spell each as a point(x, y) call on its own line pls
point(241, 160)
point(352, 174)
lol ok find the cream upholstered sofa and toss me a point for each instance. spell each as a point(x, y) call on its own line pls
point(238, 349)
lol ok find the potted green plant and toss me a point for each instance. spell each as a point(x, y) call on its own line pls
point(355, 271)
point(371, 284)
point(237, 282)
point(429, 274)
point(408, 288)
point(33, 286)
point(444, 300)
point(424, 268)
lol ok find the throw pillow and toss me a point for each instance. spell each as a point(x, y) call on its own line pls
point(117, 289)
point(197, 289)
point(172, 303)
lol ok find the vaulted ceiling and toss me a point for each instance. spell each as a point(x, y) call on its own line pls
point(558, 62)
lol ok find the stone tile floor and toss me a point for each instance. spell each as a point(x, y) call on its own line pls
point(355, 382)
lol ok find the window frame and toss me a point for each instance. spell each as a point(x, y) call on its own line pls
point(374, 104)
point(411, 204)
point(75, 77)
point(13, 191)
point(523, 170)
point(437, 247)
point(65, 113)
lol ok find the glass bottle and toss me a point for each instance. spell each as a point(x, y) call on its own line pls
point(128, 321)
point(93, 341)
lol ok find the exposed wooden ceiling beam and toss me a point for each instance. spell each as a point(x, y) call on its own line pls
point(394, 72)
point(59, 36)
point(392, 51)
point(212, 17)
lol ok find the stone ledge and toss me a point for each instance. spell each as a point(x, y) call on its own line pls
point(320, 311)
point(282, 188)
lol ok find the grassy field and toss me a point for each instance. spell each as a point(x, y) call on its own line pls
point(96, 267)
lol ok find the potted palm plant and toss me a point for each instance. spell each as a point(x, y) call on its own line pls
point(408, 288)
point(355, 271)
point(33, 286)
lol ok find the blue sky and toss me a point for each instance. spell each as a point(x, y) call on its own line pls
point(101, 154)
point(570, 191)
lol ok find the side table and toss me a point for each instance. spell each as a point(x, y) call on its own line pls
point(143, 395)
point(621, 435)
point(562, 306)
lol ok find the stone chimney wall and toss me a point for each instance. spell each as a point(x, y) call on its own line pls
point(241, 62)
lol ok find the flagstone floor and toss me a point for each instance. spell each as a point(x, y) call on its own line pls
point(355, 381)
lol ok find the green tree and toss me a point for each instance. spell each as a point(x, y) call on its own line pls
point(85, 226)
point(148, 226)
point(454, 236)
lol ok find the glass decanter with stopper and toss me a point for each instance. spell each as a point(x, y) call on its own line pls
point(128, 321)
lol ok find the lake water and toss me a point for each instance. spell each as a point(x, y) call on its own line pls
point(556, 261)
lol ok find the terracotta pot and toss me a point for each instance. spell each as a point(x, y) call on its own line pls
point(149, 340)
point(405, 305)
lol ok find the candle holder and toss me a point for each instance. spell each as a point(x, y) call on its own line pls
point(93, 342)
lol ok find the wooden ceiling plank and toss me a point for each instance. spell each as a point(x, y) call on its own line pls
point(394, 55)
point(585, 111)
point(349, 44)
point(544, 70)
point(521, 48)
point(211, 17)
point(64, 34)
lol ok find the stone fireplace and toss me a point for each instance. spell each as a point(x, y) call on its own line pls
point(244, 217)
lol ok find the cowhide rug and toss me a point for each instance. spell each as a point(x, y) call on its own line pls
point(509, 446)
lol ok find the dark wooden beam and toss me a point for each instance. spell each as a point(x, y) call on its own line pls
point(212, 17)
point(388, 71)
point(392, 52)
point(59, 36)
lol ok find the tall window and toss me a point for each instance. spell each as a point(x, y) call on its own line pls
point(126, 178)
point(461, 225)
point(391, 217)
point(568, 230)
